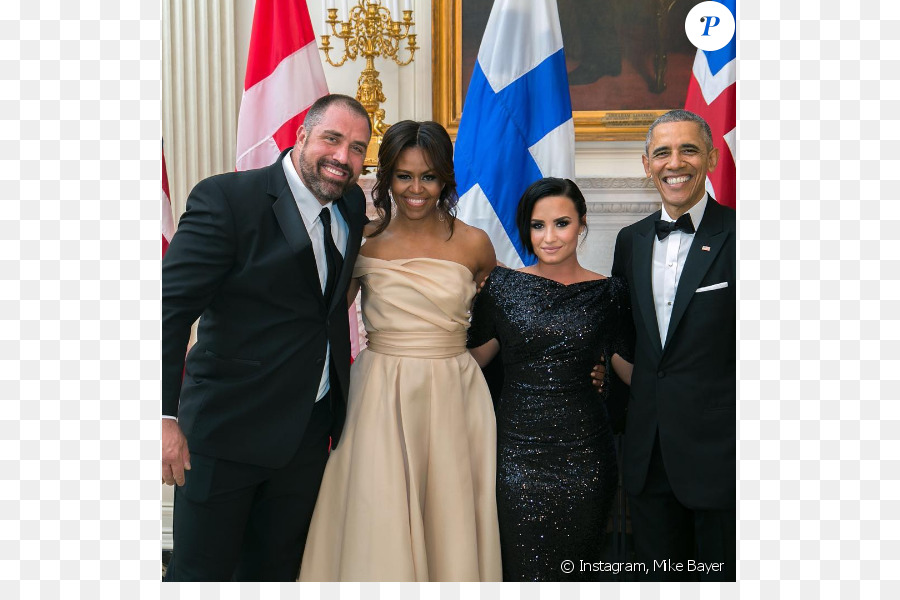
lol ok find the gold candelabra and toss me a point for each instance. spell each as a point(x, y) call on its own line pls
point(370, 31)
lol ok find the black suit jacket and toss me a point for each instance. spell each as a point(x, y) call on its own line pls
point(243, 262)
point(687, 389)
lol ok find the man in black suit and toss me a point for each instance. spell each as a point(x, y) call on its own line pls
point(264, 258)
point(679, 457)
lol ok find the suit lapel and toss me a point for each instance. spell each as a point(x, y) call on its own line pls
point(643, 279)
point(291, 223)
point(710, 236)
point(354, 225)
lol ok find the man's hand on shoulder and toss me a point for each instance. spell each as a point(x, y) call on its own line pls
point(175, 456)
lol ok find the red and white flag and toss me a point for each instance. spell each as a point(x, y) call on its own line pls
point(168, 223)
point(711, 94)
point(284, 77)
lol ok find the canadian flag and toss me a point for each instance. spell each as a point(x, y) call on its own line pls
point(284, 77)
point(168, 223)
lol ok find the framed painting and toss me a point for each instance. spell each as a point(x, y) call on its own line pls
point(628, 62)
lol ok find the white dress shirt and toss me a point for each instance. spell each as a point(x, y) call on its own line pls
point(309, 210)
point(669, 256)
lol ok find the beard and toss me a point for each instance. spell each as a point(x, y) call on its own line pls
point(323, 189)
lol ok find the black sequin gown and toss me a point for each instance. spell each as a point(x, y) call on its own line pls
point(556, 462)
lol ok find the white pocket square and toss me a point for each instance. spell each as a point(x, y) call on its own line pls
point(709, 288)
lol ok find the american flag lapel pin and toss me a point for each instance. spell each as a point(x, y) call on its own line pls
point(705, 248)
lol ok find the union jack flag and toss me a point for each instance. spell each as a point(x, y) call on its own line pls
point(711, 94)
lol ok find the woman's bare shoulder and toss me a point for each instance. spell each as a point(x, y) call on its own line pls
point(476, 245)
point(470, 234)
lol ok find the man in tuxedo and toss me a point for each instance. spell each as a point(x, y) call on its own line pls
point(679, 457)
point(264, 258)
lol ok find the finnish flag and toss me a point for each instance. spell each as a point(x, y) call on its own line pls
point(516, 124)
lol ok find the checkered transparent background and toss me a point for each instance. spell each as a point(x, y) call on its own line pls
point(819, 421)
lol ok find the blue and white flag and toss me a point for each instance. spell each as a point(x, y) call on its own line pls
point(516, 124)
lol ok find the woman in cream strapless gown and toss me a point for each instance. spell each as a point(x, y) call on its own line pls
point(409, 493)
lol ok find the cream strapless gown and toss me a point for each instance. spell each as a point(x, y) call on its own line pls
point(409, 492)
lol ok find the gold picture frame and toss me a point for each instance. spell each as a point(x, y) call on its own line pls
point(447, 86)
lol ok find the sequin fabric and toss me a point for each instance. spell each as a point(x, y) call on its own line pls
point(556, 463)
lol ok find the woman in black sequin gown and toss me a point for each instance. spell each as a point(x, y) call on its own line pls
point(551, 323)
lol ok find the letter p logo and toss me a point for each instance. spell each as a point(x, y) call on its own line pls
point(709, 25)
point(711, 21)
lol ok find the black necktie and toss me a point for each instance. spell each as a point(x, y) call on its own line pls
point(333, 258)
point(664, 228)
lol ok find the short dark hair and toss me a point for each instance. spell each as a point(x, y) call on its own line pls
point(679, 115)
point(548, 186)
point(320, 107)
point(437, 147)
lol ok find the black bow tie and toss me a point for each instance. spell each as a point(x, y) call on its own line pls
point(664, 228)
